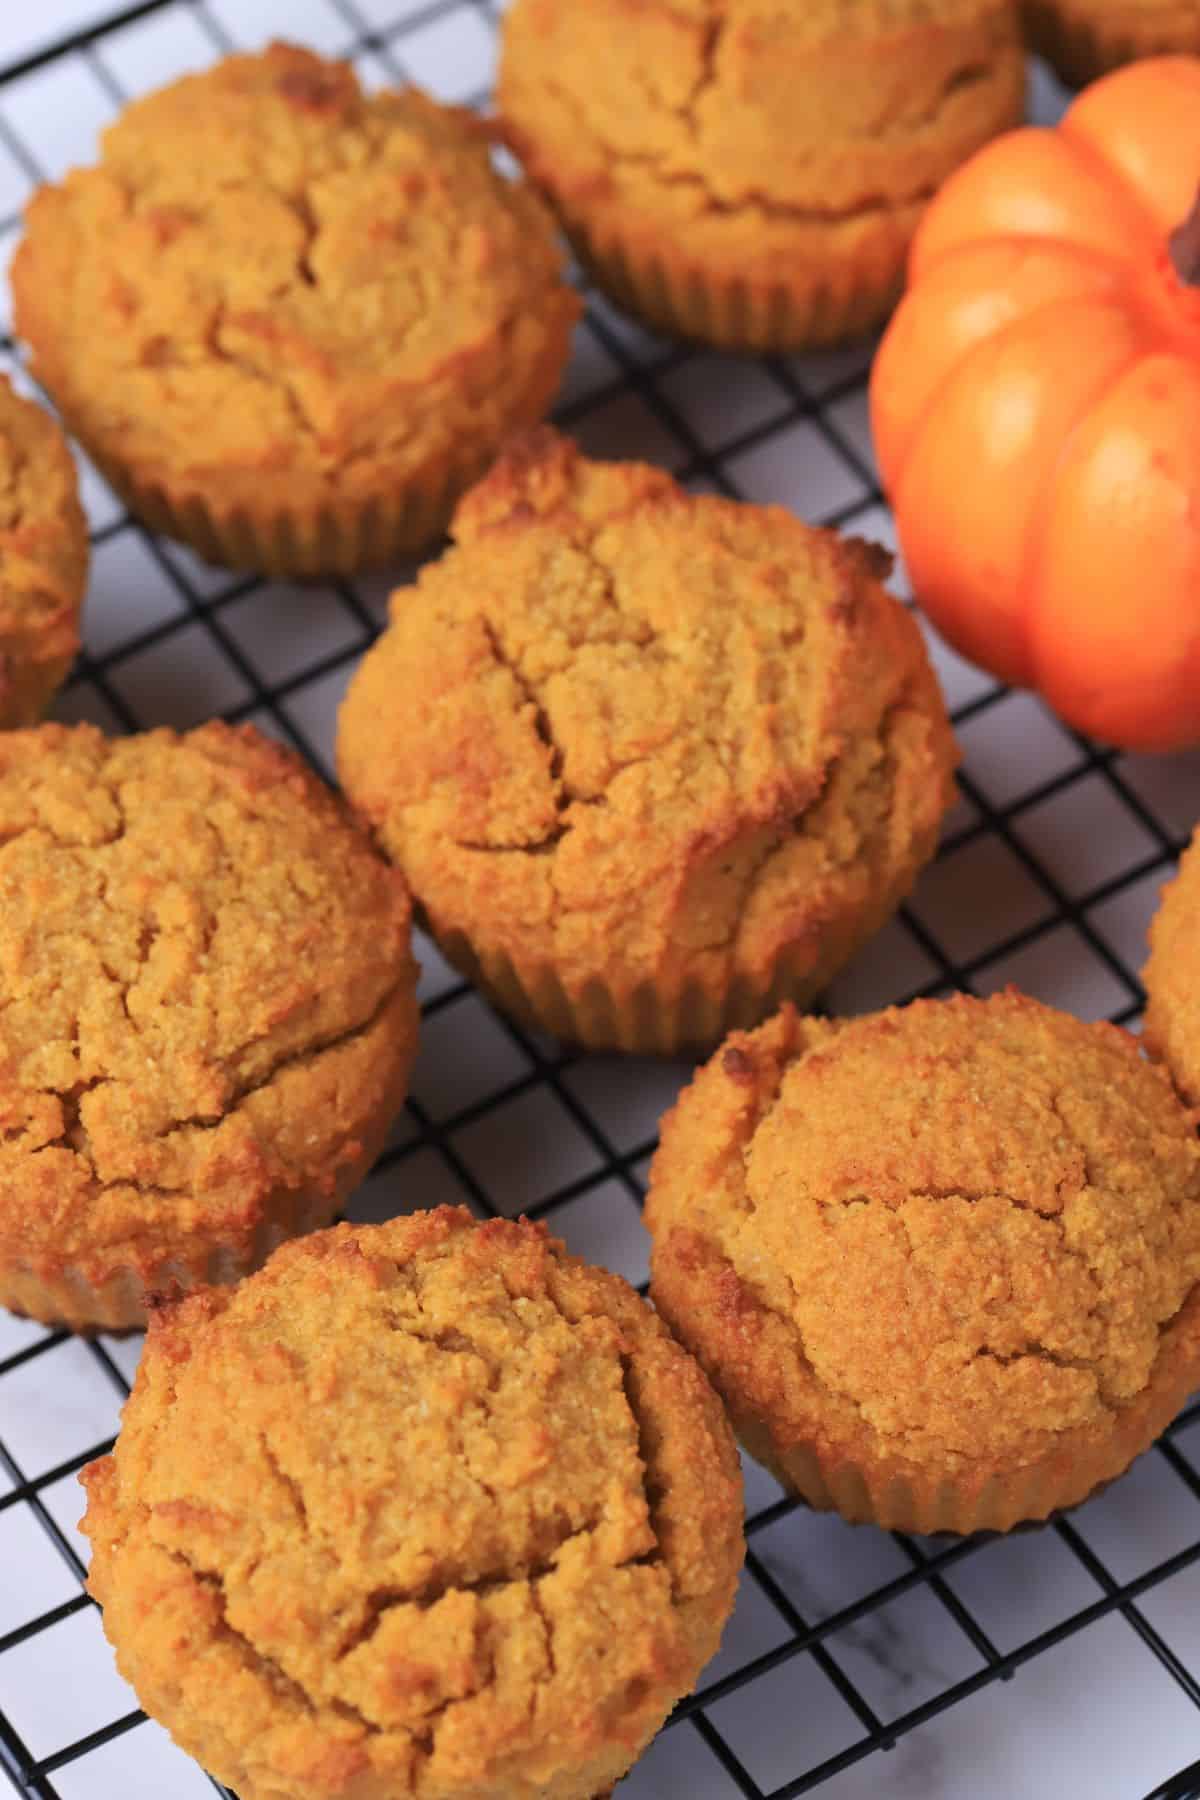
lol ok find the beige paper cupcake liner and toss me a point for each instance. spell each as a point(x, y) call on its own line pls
point(343, 538)
point(112, 1295)
point(646, 1020)
point(689, 1018)
point(810, 309)
point(109, 1292)
point(108, 1289)
point(905, 1499)
point(28, 687)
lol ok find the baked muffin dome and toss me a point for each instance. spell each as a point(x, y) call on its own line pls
point(942, 1263)
point(291, 321)
point(649, 760)
point(1172, 977)
point(761, 191)
point(1086, 38)
point(43, 559)
point(207, 1012)
point(428, 1508)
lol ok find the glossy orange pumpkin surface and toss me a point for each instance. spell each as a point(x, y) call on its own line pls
point(1036, 408)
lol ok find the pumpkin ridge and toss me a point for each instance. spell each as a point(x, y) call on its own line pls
point(1094, 705)
point(1013, 667)
point(1039, 520)
point(1083, 253)
point(1112, 173)
point(983, 343)
point(1060, 246)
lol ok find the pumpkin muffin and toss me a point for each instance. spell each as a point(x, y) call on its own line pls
point(942, 1263)
point(290, 321)
point(207, 1012)
point(428, 1508)
point(750, 172)
point(43, 559)
point(1171, 1031)
point(649, 760)
point(1086, 38)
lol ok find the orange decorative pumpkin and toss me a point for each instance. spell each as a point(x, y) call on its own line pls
point(1036, 409)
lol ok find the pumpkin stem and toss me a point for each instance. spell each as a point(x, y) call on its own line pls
point(1183, 245)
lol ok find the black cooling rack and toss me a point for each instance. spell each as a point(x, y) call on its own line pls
point(1052, 1663)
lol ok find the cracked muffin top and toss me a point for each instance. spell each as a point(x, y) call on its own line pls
point(645, 735)
point(43, 558)
point(273, 280)
point(948, 1233)
point(753, 124)
point(424, 1508)
point(206, 991)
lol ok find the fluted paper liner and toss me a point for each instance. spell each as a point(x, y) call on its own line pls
point(111, 1289)
point(343, 538)
point(798, 310)
point(646, 1019)
point(901, 1496)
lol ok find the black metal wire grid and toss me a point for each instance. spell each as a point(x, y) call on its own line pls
point(854, 1682)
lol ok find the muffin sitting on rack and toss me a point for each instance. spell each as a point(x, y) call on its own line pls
point(942, 1262)
point(650, 761)
point(43, 559)
point(291, 322)
point(207, 1013)
point(424, 1511)
point(750, 172)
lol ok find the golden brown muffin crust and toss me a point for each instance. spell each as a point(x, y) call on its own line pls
point(1172, 977)
point(647, 736)
point(429, 1508)
point(765, 131)
point(945, 1235)
point(207, 994)
point(273, 287)
point(43, 558)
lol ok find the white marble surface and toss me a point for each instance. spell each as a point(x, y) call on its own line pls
point(1096, 1716)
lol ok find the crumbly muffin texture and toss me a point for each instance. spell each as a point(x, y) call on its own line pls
point(43, 559)
point(1172, 977)
point(649, 738)
point(208, 1010)
point(274, 288)
point(429, 1508)
point(755, 141)
point(955, 1237)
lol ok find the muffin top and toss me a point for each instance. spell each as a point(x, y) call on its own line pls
point(947, 1231)
point(43, 538)
point(1171, 978)
point(766, 123)
point(642, 731)
point(275, 279)
point(436, 1508)
point(203, 969)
